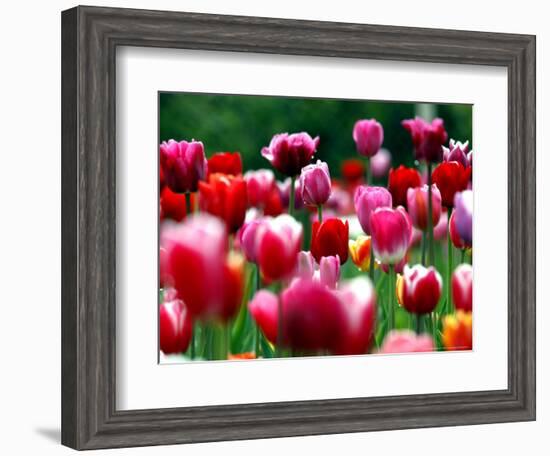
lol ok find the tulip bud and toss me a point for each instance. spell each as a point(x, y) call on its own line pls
point(359, 250)
point(427, 138)
point(225, 163)
point(391, 233)
point(457, 331)
point(450, 178)
point(175, 326)
point(399, 182)
point(330, 238)
point(417, 205)
point(464, 205)
point(183, 164)
point(247, 239)
point(419, 289)
point(172, 205)
point(259, 185)
point(457, 241)
point(366, 200)
point(290, 153)
point(315, 183)
point(353, 170)
point(329, 271)
point(380, 163)
point(461, 285)
point(440, 229)
point(306, 265)
point(368, 136)
point(457, 151)
point(263, 308)
point(406, 341)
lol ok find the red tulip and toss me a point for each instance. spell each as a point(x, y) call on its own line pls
point(457, 241)
point(290, 153)
point(399, 182)
point(366, 200)
point(450, 177)
point(391, 234)
point(461, 285)
point(368, 136)
point(264, 310)
point(175, 326)
point(353, 170)
point(172, 205)
point(417, 204)
point(224, 196)
point(260, 185)
point(183, 164)
point(427, 138)
point(419, 289)
point(330, 238)
point(405, 341)
point(225, 163)
point(273, 204)
point(278, 242)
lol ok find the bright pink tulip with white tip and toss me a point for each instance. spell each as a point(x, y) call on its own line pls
point(461, 286)
point(278, 242)
point(406, 341)
point(391, 233)
point(290, 153)
point(315, 183)
point(366, 200)
point(417, 205)
point(421, 289)
point(183, 165)
point(175, 325)
point(368, 136)
point(458, 152)
point(259, 185)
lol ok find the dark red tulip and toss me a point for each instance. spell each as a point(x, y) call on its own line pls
point(330, 238)
point(450, 178)
point(419, 289)
point(290, 153)
point(273, 204)
point(224, 196)
point(428, 138)
point(225, 163)
point(172, 205)
point(399, 181)
point(175, 326)
point(183, 165)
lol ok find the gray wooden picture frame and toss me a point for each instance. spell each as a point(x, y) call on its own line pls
point(90, 36)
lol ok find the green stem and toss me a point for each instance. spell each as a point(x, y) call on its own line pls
point(291, 197)
point(197, 202)
point(462, 255)
point(192, 351)
point(371, 262)
point(278, 348)
point(430, 221)
point(187, 203)
point(418, 322)
point(449, 306)
point(320, 213)
point(391, 292)
point(423, 248)
point(433, 316)
point(257, 345)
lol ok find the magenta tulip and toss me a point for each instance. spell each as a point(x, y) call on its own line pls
point(366, 200)
point(427, 138)
point(391, 232)
point(183, 165)
point(417, 204)
point(315, 183)
point(247, 239)
point(259, 185)
point(263, 308)
point(440, 230)
point(175, 325)
point(419, 289)
point(406, 341)
point(461, 284)
point(464, 206)
point(458, 152)
point(290, 153)
point(368, 136)
point(380, 164)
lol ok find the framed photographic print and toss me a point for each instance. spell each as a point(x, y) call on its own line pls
point(268, 224)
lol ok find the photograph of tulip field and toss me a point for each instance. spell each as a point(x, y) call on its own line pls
point(298, 227)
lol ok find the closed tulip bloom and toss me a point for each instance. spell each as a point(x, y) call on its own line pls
point(417, 204)
point(366, 200)
point(368, 136)
point(172, 205)
point(225, 196)
point(450, 178)
point(330, 238)
point(225, 163)
point(278, 242)
point(175, 326)
point(259, 186)
point(457, 241)
point(440, 230)
point(405, 341)
point(458, 152)
point(247, 239)
point(359, 250)
point(461, 285)
point(380, 163)
point(391, 233)
point(428, 138)
point(419, 289)
point(399, 181)
point(305, 267)
point(273, 204)
point(464, 206)
point(263, 308)
point(352, 170)
point(290, 153)
point(329, 271)
point(457, 331)
point(183, 165)
point(315, 183)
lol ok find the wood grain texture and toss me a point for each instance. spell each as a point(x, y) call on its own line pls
point(89, 40)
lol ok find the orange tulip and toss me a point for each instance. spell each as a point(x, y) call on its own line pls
point(457, 331)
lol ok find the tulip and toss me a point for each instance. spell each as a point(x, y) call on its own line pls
point(340, 200)
point(241, 356)
point(419, 289)
point(440, 230)
point(417, 204)
point(399, 182)
point(450, 177)
point(398, 267)
point(353, 171)
point(391, 232)
point(366, 200)
point(380, 164)
point(464, 202)
point(165, 279)
point(427, 138)
point(207, 279)
point(457, 241)
point(405, 341)
point(306, 265)
point(290, 153)
point(259, 185)
point(247, 239)
point(329, 271)
point(225, 196)
point(368, 136)
point(360, 252)
point(278, 242)
point(330, 238)
point(284, 192)
point(273, 205)
point(315, 184)
point(172, 205)
point(457, 331)
point(458, 152)
point(175, 326)
point(225, 163)
point(183, 165)
point(263, 308)
point(461, 284)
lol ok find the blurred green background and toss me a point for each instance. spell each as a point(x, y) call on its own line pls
point(246, 123)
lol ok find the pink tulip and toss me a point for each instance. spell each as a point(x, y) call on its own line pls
point(329, 270)
point(427, 138)
point(259, 185)
point(175, 325)
point(464, 206)
point(458, 152)
point(380, 164)
point(247, 239)
point(440, 230)
point(417, 204)
point(315, 183)
point(406, 341)
point(264, 310)
point(391, 232)
point(420, 289)
point(305, 268)
point(278, 242)
point(368, 136)
point(183, 164)
point(461, 285)
point(366, 200)
point(457, 241)
point(290, 153)
point(284, 193)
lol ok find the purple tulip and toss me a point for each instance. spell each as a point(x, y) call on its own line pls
point(366, 200)
point(315, 183)
point(368, 136)
point(183, 165)
point(464, 206)
point(380, 164)
point(458, 152)
point(290, 153)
